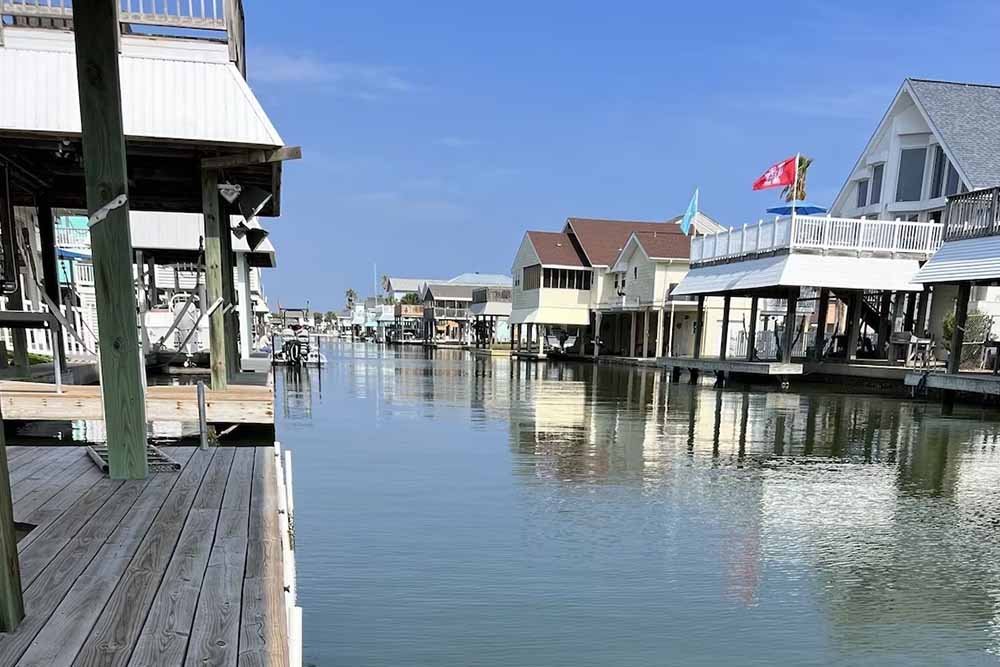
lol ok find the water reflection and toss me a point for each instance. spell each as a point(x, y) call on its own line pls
point(663, 519)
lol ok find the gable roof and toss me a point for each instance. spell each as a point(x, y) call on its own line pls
point(603, 240)
point(657, 245)
point(397, 284)
point(966, 118)
point(483, 279)
point(556, 249)
point(450, 291)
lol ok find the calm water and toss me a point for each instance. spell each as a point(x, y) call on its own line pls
point(458, 511)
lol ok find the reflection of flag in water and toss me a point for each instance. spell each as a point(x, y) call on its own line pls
point(689, 214)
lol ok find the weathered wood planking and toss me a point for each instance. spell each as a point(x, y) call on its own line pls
point(216, 631)
point(163, 639)
point(114, 635)
point(49, 587)
point(25, 401)
point(263, 641)
point(59, 641)
point(45, 491)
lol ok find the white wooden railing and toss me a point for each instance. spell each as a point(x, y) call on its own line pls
point(201, 14)
point(811, 232)
point(72, 238)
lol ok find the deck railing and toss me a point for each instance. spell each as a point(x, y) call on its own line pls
point(440, 313)
point(225, 16)
point(488, 294)
point(70, 237)
point(973, 215)
point(822, 233)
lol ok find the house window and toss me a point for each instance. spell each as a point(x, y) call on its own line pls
point(616, 281)
point(876, 185)
point(862, 193)
point(909, 185)
point(532, 277)
point(951, 183)
point(635, 272)
point(937, 175)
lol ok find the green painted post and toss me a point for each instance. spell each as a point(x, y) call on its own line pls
point(11, 597)
point(214, 282)
point(95, 26)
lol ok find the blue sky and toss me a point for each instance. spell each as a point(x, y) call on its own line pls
point(434, 134)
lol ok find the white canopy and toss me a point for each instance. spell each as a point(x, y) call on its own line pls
point(802, 270)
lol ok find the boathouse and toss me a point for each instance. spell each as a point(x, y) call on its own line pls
point(126, 552)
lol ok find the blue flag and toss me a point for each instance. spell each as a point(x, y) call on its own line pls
point(689, 214)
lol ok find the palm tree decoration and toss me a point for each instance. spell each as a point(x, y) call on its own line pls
point(800, 182)
point(351, 296)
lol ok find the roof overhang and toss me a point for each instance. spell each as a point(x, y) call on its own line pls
point(968, 260)
point(578, 316)
point(801, 270)
point(498, 308)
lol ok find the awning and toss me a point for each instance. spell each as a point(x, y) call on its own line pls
point(966, 260)
point(578, 316)
point(802, 270)
point(490, 308)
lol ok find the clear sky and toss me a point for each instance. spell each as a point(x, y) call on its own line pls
point(435, 133)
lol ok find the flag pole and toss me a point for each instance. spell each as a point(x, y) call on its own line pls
point(795, 185)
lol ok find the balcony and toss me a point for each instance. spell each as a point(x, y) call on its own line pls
point(71, 238)
point(441, 313)
point(219, 20)
point(408, 311)
point(491, 294)
point(973, 215)
point(819, 234)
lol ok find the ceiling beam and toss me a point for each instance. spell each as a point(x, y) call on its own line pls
point(252, 157)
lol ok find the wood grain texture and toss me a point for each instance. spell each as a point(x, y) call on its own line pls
point(60, 639)
point(263, 628)
point(117, 629)
point(11, 598)
point(48, 488)
point(214, 284)
point(49, 587)
point(95, 26)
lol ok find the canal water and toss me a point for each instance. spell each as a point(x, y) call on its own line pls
point(457, 510)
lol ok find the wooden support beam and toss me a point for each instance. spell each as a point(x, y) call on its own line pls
point(699, 325)
point(884, 321)
point(823, 305)
point(752, 330)
point(215, 287)
point(50, 268)
point(659, 333)
point(230, 318)
point(248, 158)
point(645, 333)
point(11, 597)
point(853, 325)
point(631, 337)
point(791, 302)
point(95, 26)
point(920, 324)
point(12, 269)
point(958, 335)
point(724, 344)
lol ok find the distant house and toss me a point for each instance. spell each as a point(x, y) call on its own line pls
point(447, 315)
point(562, 280)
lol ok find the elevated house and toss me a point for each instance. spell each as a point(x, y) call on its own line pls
point(562, 280)
point(490, 309)
point(447, 314)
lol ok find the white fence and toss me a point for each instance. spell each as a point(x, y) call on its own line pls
point(286, 528)
point(819, 233)
point(203, 14)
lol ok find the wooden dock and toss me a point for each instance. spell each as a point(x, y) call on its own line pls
point(180, 568)
point(238, 404)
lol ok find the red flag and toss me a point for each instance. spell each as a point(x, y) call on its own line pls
point(777, 175)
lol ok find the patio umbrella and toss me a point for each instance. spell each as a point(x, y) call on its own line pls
point(801, 208)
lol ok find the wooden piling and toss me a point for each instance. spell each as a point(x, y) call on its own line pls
point(214, 282)
point(11, 597)
point(96, 30)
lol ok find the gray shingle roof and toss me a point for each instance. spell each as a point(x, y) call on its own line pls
point(967, 117)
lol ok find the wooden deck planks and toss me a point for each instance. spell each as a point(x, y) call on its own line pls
point(116, 631)
point(216, 631)
point(163, 639)
point(59, 641)
point(48, 587)
point(262, 623)
point(44, 478)
point(176, 569)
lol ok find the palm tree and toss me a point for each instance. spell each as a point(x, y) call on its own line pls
point(351, 296)
point(800, 183)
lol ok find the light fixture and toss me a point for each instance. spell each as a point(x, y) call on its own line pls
point(252, 200)
point(240, 229)
point(230, 191)
point(255, 236)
